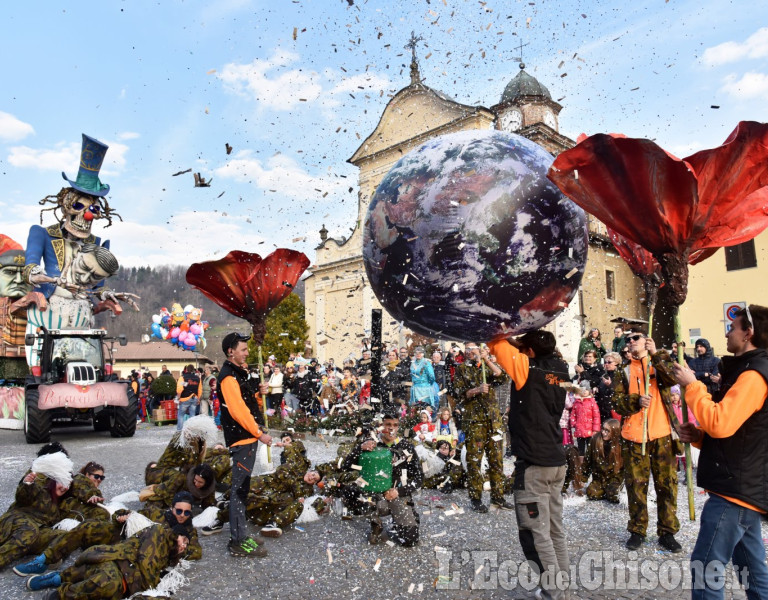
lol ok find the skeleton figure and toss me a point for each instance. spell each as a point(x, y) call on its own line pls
point(67, 263)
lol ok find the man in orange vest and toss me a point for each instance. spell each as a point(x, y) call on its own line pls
point(642, 395)
point(734, 452)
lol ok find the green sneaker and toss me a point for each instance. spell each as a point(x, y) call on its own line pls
point(247, 548)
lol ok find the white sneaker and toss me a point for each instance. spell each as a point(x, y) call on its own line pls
point(271, 531)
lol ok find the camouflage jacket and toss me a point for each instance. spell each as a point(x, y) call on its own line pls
point(34, 500)
point(75, 504)
point(482, 407)
point(175, 481)
point(141, 558)
point(287, 482)
point(183, 459)
point(220, 462)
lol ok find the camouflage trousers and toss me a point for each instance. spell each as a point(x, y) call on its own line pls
point(85, 535)
point(660, 461)
point(83, 582)
point(21, 536)
point(453, 473)
point(479, 442)
point(606, 488)
point(261, 511)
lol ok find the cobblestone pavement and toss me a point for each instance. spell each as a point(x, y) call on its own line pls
point(478, 556)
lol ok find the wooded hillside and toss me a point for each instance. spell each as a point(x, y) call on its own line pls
point(162, 286)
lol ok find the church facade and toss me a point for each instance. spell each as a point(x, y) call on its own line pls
point(338, 297)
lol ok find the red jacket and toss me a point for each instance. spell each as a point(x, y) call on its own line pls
point(585, 417)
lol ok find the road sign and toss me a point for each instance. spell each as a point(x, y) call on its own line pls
point(729, 313)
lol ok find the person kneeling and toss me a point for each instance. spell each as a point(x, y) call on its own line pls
point(603, 461)
point(391, 472)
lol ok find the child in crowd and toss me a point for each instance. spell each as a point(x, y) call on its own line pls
point(565, 419)
point(585, 416)
point(603, 461)
point(677, 406)
point(425, 429)
point(446, 428)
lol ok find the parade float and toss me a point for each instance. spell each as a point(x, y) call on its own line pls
point(54, 364)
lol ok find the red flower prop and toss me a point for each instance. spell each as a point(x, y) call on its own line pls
point(672, 207)
point(247, 286)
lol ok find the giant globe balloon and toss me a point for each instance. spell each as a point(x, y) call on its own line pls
point(467, 239)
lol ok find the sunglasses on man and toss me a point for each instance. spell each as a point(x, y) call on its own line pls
point(636, 337)
point(181, 511)
point(97, 476)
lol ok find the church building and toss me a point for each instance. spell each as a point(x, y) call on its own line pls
point(339, 297)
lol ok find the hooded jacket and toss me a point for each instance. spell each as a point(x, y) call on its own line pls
point(705, 366)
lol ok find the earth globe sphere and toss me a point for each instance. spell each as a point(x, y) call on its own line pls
point(466, 239)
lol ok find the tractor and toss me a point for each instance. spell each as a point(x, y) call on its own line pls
point(73, 385)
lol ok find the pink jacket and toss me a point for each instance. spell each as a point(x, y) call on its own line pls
point(585, 417)
point(678, 408)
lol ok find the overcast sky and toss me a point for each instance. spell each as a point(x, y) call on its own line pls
point(294, 86)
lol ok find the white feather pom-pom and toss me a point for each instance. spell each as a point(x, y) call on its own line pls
point(206, 518)
point(67, 524)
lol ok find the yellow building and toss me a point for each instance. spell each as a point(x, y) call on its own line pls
point(731, 277)
point(339, 298)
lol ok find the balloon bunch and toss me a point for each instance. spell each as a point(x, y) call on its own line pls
point(183, 327)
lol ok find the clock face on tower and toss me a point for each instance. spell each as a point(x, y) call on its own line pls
point(511, 120)
point(549, 119)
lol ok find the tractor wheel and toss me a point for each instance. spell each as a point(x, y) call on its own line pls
point(123, 418)
point(37, 423)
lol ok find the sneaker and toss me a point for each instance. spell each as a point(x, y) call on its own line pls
point(248, 548)
point(41, 582)
point(33, 567)
point(222, 505)
point(478, 506)
point(502, 504)
point(635, 541)
point(271, 531)
point(215, 527)
point(668, 541)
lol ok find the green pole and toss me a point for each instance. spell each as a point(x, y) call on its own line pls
point(684, 407)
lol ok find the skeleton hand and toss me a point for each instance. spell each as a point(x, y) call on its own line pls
point(118, 297)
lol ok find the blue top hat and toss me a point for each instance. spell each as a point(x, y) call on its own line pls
point(91, 156)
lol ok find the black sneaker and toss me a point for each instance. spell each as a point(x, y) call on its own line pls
point(635, 541)
point(502, 504)
point(247, 549)
point(478, 506)
point(215, 527)
point(668, 541)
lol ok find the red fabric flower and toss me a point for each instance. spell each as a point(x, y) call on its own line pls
point(248, 286)
point(672, 207)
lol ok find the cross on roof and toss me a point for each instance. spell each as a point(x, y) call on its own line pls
point(411, 45)
point(520, 51)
